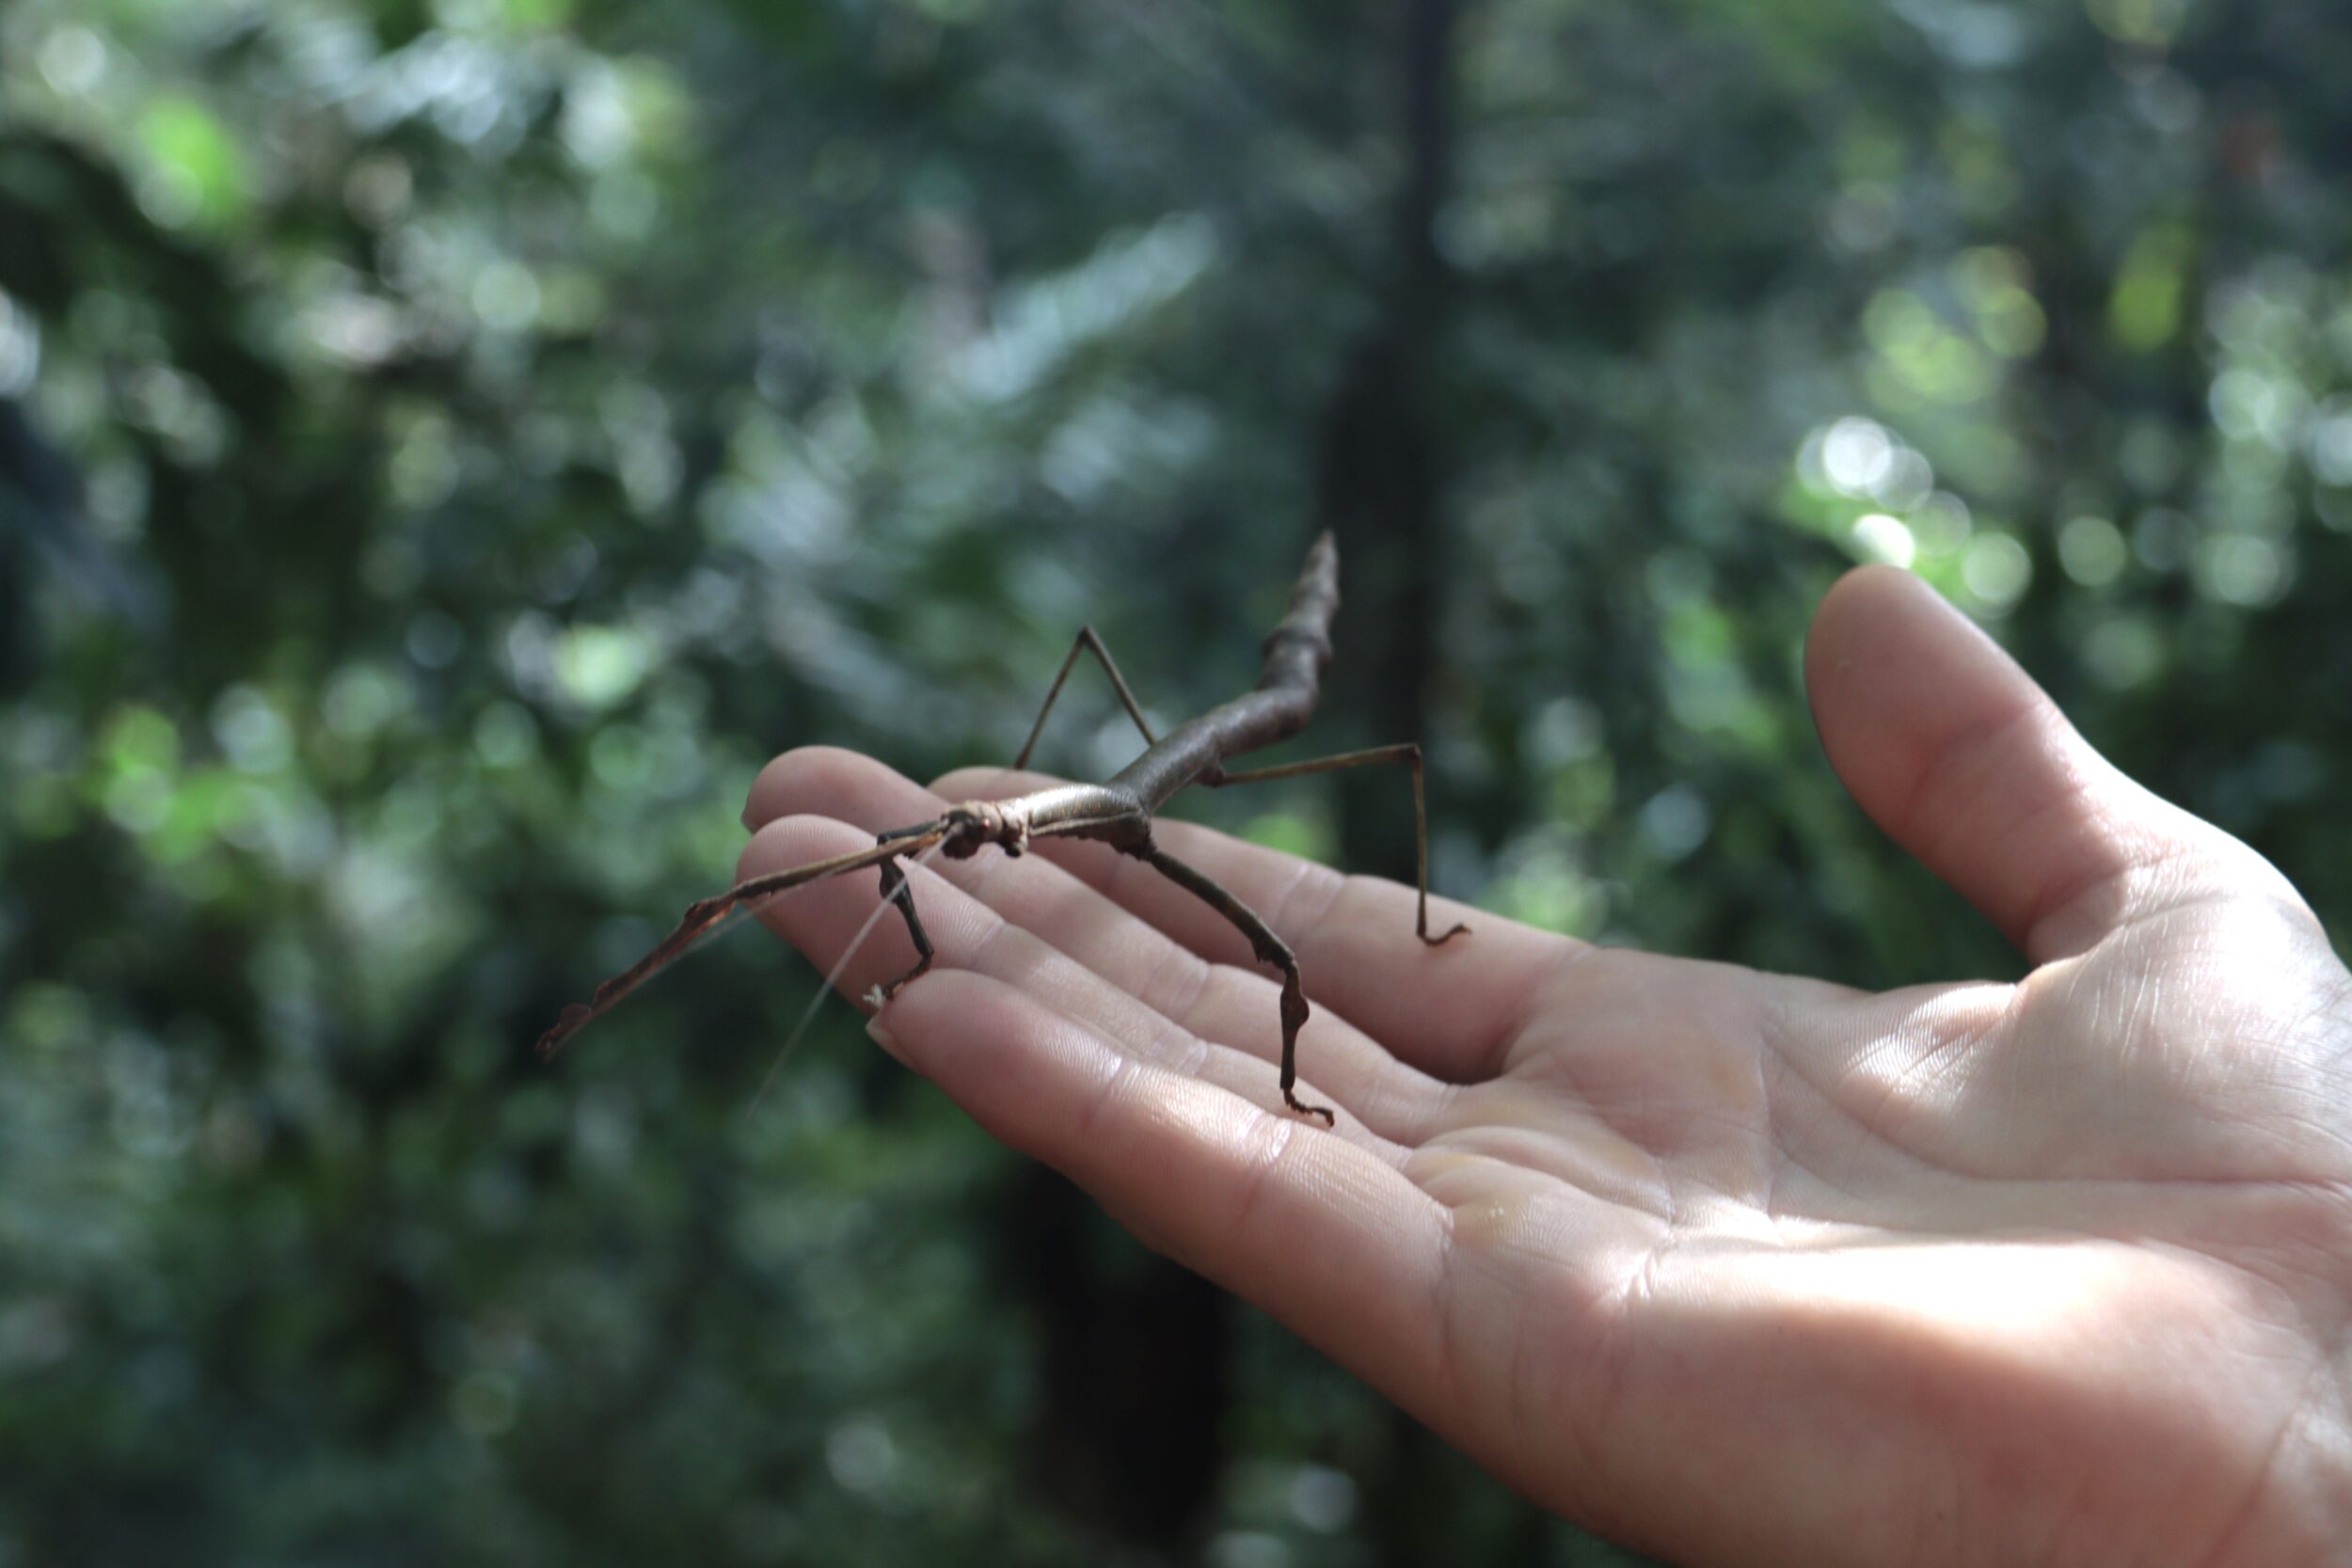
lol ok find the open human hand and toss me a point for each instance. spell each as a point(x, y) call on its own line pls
point(1735, 1267)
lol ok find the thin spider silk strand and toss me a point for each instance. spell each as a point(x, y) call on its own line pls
point(808, 1015)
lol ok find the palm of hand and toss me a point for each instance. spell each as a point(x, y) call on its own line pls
point(1740, 1267)
point(1916, 1274)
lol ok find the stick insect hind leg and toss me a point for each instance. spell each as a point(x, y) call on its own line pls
point(1408, 753)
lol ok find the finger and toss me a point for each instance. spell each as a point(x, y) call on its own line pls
point(1968, 764)
point(822, 780)
point(1315, 1229)
point(1450, 1010)
point(826, 919)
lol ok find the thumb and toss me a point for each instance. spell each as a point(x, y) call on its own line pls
point(1968, 764)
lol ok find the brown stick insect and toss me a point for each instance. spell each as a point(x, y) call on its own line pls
point(1118, 812)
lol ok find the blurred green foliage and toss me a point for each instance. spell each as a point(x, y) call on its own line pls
point(447, 444)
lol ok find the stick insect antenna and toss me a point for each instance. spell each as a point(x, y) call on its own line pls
point(707, 917)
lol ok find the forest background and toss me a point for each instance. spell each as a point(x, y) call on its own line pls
point(447, 444)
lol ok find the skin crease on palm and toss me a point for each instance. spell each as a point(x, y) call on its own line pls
point(1735, 1267)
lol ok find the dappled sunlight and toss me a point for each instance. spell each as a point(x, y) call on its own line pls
point(447, 446)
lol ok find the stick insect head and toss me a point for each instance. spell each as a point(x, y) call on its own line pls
point(976, 823)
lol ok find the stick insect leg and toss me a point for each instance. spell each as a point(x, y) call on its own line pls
point(898, 890)
point(1127, 699)
point(1408, 753)
point(1270, 949)
point(707, 914)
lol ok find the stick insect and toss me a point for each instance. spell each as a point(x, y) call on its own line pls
point(1118, 812)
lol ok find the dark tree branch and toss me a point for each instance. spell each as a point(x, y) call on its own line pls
point(1118, 812)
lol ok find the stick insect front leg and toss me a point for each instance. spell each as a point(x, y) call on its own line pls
point(1408, 753)
point(896, 889)
point(1087, 639)
point(895, 885)
point(1270, 949)
point(707, 914)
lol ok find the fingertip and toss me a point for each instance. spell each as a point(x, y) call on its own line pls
point(882, 1035)
point(839, 921)
point(785, 842)
point(848, 786)
point(1853, 600)
point(1894, 673)
point(758, 856)
point(1875, 625)
point(1952, 747)
point(804, 779)
point(766, 851)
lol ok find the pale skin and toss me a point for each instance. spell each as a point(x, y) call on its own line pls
point(1739, 1267)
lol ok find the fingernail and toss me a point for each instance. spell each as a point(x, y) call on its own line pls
point(888, 1041)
